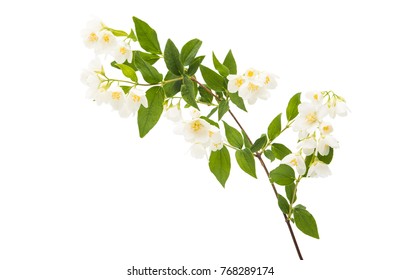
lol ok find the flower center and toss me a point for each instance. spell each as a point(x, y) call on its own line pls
point(239, 82)
point(267, 80)
point(196, 126)
point(311, 117)
point(326, 128)
point(316, 97)
point(116, 95)
point(294, 162)
point(106, 38)
point(122, 50)
point(252, 87)
point(210, 133)
point(93, 37)
point(135, 98)
point(250, 73)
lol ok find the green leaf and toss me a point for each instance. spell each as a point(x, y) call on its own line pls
point(246, 161)
point(328, 158)
point(205, 96)
point(299, 206)
point(172, 88)
point(223, 107)
point(283, 175)
point(305, 222)
point(149, 57)
point(210, 121)
point(283, 204)
point(118, 33)
point(222, 69)
point(212, 112)
point(292, 108)
point(259, 143)
point(189, 51)
point(172, 58)
point(132, 36)
point(148, 117)
point(128, 72)
point(220, 165)
point(194, 65)
point(230, 63)
point(147, 36)
point(269, 155)
point(247, 143)
point(212, 79)
point(280, 150)
point(289, 189)
point(238, 101)
point(233, 136)
point(149, 73)
point(188, 93)
point(274, 128)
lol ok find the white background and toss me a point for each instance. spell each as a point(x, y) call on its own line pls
point(83, 197)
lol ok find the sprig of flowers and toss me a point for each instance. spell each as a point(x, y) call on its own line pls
point(139, 89)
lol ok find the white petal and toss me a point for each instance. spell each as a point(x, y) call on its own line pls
point(197, 151)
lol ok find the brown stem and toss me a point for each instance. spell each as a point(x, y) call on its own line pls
point(259, 156)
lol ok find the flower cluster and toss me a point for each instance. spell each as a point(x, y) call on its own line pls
point(252, 85)
point(99, 37)
point(202, 135)
point(315, 133)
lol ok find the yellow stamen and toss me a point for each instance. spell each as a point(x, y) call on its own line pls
point(116, 95)
point(196, 126)
point(252, 87)
point(122, 50)
point(135, 98)
point(326, 128)
point(106, 38)
point(267, 80)
point(311, 117)
point(250, 73)
point(210, 133)
point(316, 96)
point(93, 37)
point(294, 162)
point(239, 82)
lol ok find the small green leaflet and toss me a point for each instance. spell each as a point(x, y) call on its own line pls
point(223, 107)
point(149, 73)
point(259, 143)
point(128, 72)
point(280, 150)
point(212, 79)
point(222, 69)
point(269, 155)
point(305, 222)
point(283, 175)
point(148, 117)
point(189, 51)
point(188, 93)
point(233, 136)
point(283, 204)
point(238, 101)
point(220, 165)
point(292, 108)
point(147, 36)
point(172, 58)
point(194, 65)
point(274, 128)
point(230, 63)
point(246, 161)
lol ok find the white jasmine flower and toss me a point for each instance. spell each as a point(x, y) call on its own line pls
point(325, 128)
point(315, 97)
point(194, 113)
point(135, 99)
point(106, 42)
point(173, 113)
point(309, 117)
point(319, 169)
point(296, 161)
point(115, 96)
point(269, 80)
point(325, 142)
point(252, 90)
point(197, 150)
point(235, 82)
point(337, 107)
point(251, 74)
point(91, 33)
point(197, 131)
point(122, 52)
point(308, 145)
point(216, 141)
